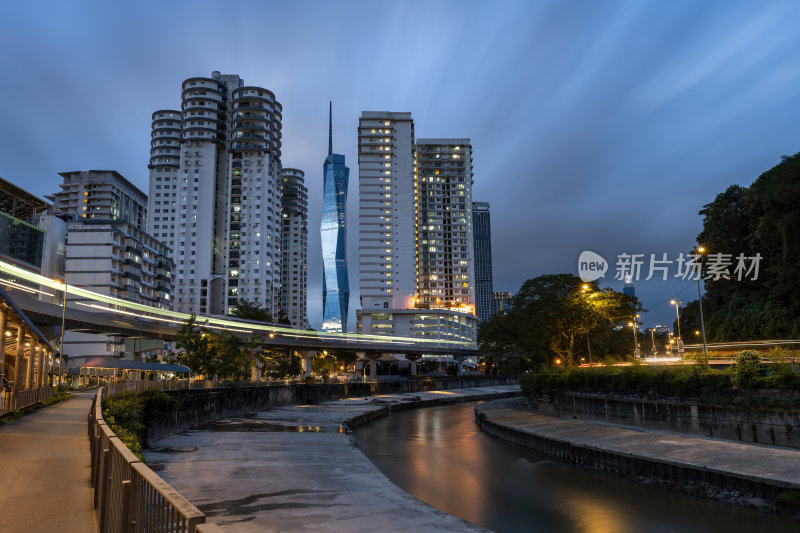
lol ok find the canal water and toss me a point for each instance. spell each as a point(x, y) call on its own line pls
point(438, 455)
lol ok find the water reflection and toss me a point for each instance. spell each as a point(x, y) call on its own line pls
point(439, 456)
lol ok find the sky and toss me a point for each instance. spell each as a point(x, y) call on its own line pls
point(595, 125)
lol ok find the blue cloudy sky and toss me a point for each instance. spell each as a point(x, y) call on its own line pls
point(601, 125)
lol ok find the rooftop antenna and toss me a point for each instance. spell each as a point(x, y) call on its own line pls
point(330, 127)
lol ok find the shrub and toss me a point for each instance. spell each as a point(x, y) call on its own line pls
point(130, 414)
point(747, 369)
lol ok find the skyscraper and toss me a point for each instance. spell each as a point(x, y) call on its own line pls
point(482, 239)
point(215, 173)
point(294, 235)
point(387, 243)
point(335, 283)
point(415, 231)
point(445, 262)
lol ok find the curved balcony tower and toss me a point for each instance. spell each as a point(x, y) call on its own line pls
point(220, 211)
point(335, 282)
point(165, 159)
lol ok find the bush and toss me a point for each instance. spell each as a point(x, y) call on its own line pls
point(747, 369)
point(130, 414)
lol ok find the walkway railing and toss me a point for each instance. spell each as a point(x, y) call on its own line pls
point(10, 401)
point(128, 496)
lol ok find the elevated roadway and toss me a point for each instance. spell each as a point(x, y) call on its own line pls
point(90, 312)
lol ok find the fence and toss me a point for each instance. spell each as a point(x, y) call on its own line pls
point(128, 496)
point(9, 401)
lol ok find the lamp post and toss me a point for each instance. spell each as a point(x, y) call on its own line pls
point(635, 326)
point(61, 341)
point(701, 250)
point(653, 338)
point(588, 346)
point(679, 340)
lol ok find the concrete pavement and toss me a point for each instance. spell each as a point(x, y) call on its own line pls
point(46, 471)
point(294, 469)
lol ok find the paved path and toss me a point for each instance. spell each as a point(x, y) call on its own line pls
point(44, 463)
point(292, 469)
point(758, 462)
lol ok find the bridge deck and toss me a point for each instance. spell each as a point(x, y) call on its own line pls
point(45, 465)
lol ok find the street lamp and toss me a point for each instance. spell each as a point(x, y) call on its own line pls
point(653, 338)
point(63, 319)
point(676, 303)
point(588, 345)
point(701, 250)
point(635, 326)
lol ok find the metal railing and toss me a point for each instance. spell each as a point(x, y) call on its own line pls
point(10, 401)
point(128, 496)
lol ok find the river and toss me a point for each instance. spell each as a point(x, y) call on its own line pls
point(439, 455)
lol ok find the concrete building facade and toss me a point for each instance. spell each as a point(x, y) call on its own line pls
point(386, 204)
point(415, 231)
point(108, 251)
point(225, 194)
point(445, 258)
point(294, 236)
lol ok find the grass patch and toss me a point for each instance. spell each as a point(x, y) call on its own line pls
point(788, 500)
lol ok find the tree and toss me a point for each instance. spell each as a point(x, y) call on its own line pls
point(194, 341)
point(551, 315)
point(761, 219)
point(250, 311)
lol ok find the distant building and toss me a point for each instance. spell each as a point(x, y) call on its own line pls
point(445, 256)
point(415, 231)
point(502, 301)
point(294, 248)
point(386, 232)
point(108, 251)
point(333, 235)
point(215, 177)
point(31, 236)
point(482, 242)
point(628, 288)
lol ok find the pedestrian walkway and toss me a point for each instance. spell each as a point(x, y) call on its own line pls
point(760, 463)
point(45, 469)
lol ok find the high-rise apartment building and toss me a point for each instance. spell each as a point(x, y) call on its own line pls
point(387, 243)
point(415, 231)
point(219, 209)
point(482, 243)
point(294, 248)
point(445, 270)
point(502, 301)
point(333, 235)
point(108, 251)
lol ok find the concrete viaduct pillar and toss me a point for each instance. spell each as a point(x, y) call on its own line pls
point(3, 320)
point(413, 358)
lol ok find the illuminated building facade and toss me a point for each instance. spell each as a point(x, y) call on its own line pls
point(294, 234)
point(415, 231)
point(445, 257)
point(335, 282)
point(219, 208)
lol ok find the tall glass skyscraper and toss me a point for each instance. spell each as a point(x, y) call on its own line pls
point(482, 239)
point(335, 284)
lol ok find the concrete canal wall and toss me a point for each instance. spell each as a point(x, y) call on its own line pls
point(735, 422)
point(748, 474)
point(202, 406)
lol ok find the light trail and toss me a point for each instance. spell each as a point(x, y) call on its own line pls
point(227, 324)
